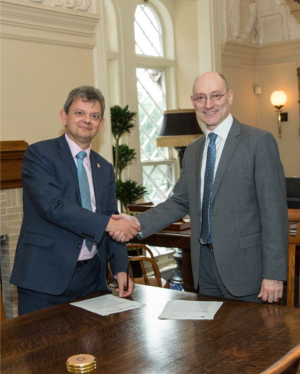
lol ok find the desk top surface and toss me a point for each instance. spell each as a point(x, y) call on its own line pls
point(243, 338)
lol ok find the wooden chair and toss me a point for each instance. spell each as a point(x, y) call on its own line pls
point(294, 241)
point(147, 280)
point(288, 364)
point(155, 280)
point(139, 248)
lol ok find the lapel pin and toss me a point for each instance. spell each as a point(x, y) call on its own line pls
point(98, 165)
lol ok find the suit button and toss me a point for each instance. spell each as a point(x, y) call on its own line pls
point(198, 240)
point(79, 246)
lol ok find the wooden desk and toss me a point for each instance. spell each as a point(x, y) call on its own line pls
point(243, 338)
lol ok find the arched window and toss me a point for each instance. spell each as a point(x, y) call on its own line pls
point(158, 168)
point(147, 31)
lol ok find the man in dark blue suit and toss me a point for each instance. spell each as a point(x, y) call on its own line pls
point(63, 248)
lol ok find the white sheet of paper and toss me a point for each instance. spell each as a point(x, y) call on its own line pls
point(107, 304)
point(189, 309)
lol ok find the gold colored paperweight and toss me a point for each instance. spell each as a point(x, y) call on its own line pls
point(81, 363)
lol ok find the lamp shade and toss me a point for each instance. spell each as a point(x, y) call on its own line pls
point(180, 127)
point(278, 98)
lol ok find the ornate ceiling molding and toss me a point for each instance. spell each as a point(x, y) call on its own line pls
point(254, 56)
point(41, 23)
point(239, 54)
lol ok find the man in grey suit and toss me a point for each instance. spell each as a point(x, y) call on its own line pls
point(239, 227)
point(64, 246)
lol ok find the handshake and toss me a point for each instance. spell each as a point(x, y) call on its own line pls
point(123, 227)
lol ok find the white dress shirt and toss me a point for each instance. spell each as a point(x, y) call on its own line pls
point(222, 131)
point(85, 254)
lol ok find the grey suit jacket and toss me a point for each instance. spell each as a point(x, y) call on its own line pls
point(55, 224)
point(249, 223)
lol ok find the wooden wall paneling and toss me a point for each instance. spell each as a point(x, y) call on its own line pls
point(11, 155)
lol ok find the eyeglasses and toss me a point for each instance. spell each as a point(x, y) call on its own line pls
point(202, 99)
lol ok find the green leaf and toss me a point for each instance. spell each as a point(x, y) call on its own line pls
point(129, 192)
point(126, 156)
point(122, 120)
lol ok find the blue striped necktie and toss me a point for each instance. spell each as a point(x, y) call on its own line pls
point(208, 185)
point(84, 189)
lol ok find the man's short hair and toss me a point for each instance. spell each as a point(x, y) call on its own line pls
point(225, 82)
point(221, 75)
point(86, 93)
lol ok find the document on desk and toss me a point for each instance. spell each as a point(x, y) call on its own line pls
point(107, 304)
point(190, 309)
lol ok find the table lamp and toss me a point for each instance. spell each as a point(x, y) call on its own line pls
point(180, 127)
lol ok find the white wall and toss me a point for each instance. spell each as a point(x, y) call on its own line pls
point(187, 52)
point(45, 53)
point(35, 81)
point(274, 79)
point(273, 67)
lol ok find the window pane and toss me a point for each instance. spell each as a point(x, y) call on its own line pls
point(151, 98)
point(147, 30)
point(158, 179)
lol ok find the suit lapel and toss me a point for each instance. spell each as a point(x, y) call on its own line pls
point(97, 173)
point(198, 163)
point(67, 158)
point(97, 179)
point(231, 143)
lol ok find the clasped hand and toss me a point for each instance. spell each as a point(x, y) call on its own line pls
point(123, 227)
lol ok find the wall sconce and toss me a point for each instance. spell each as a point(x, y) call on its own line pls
point(180, 127)
point(278, 99)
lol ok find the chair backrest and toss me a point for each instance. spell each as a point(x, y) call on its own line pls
point(139, 247)
point(288, 364)
point(146, 280)
point(157, 281)
point(294, 242)
point(293, 192)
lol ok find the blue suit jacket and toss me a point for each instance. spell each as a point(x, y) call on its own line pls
point(55, 224)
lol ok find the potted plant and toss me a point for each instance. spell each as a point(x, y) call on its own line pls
point(122, 122)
